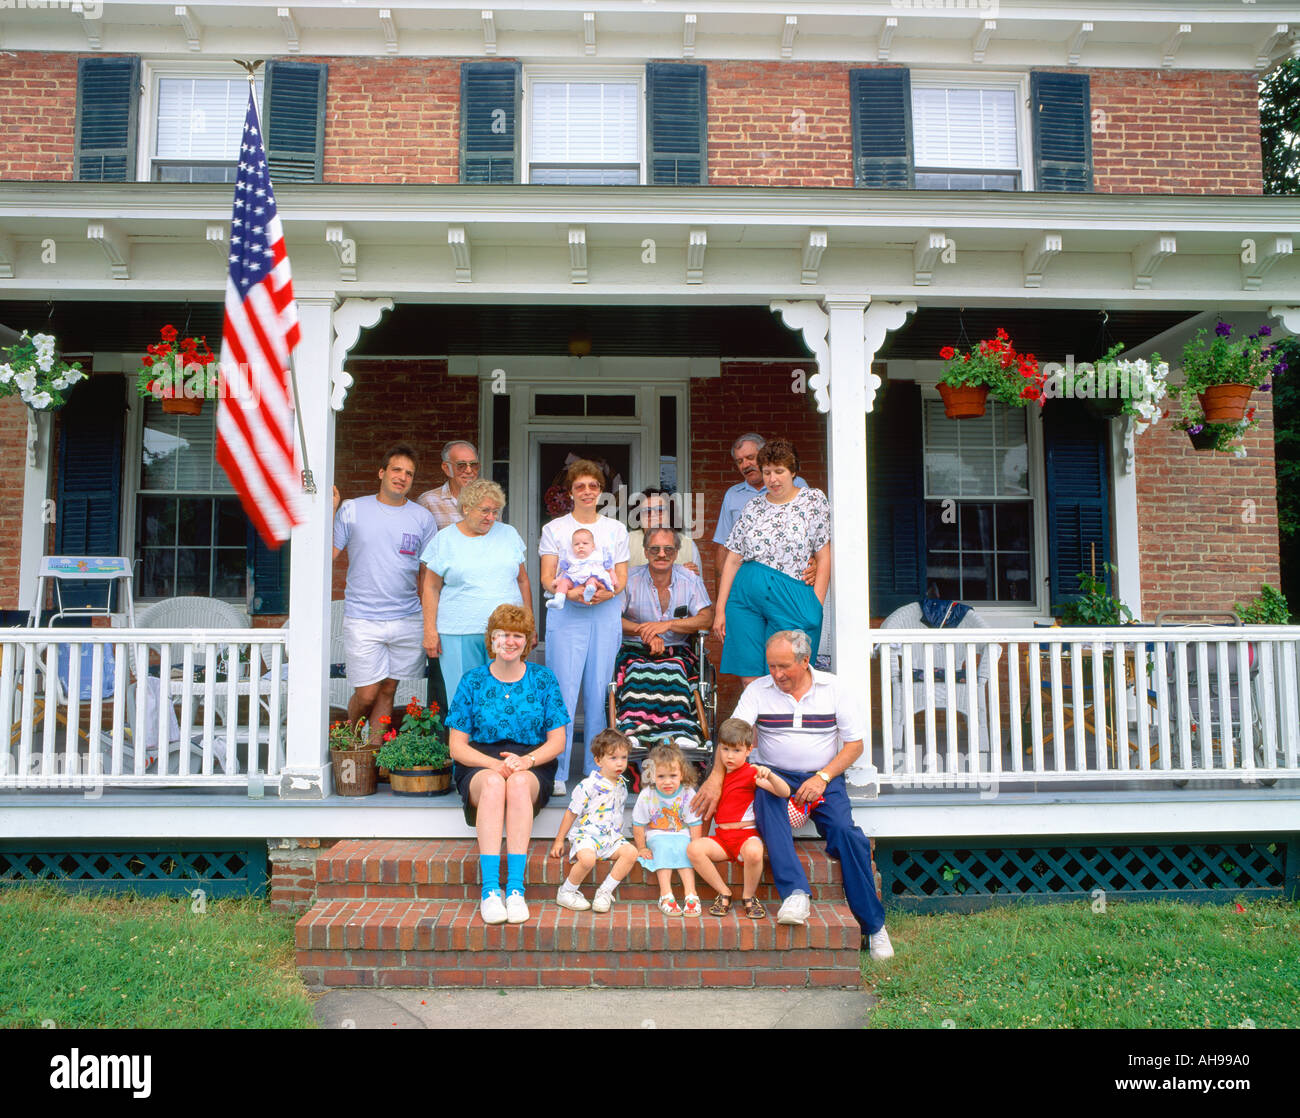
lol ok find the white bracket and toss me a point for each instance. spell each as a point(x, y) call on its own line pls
point(695, 249)
point(1169, 52)
point(1290, 317)
point(489, 31)
point(458, 242)
point(1252, 275)
point(215, 235)
point(814, 323)
point(290, 28)
point(1264, 54)
point(91, 25)
point(879, 320)
point(577, 254)
point(926, 255)
point(350, 318)
point(982, 37)
point(33, 435)
point(812, 255)
point(588, 32)
point(886, 41)
point(1129, 457)
point(116, 246)
point(389, 28)
point(345, 248)
point(1149, 255)
point(8, 255)
point(191, 26)
point(688, 35)
point(1076, 44)
point(1037, 255)
point(788, 31)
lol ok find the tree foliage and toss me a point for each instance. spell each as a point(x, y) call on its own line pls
point(1279, 128)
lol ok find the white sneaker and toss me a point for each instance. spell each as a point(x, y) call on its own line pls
point(601, 901)
point(516, 909)
point(559, 789)
point(881, 948)
point(493, 909)
point(794, 909)
point(571, 898)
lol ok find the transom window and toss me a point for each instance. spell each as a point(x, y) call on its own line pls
point(197, 123)
point(979, 511)
point(585, 133)
point(966, 137)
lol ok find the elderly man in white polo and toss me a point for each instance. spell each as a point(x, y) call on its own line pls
point(808, 729)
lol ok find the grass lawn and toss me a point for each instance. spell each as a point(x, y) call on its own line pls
point(121, 961)
point(1133, 966)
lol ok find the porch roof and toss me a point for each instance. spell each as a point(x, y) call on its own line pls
point(527, 244)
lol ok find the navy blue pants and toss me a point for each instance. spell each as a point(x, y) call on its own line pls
point(845, 842)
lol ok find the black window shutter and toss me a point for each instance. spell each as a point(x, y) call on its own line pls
point(881, 104)
point(677, 111)
point(88, 509)
point(268, 573)
point(895, 499)
point(1078, 497)
point(490, 96)
point(108, 109)
point(293, 96)
point(1061, 110)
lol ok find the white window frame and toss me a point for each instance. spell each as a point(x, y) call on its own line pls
point(591, 75)
point(151, 72)
point(1018, 84)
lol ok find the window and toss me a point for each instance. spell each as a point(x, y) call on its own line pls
point(191, 532)
point(195, 122)
point(584, 132)
point(979, 509)
point(967, 137)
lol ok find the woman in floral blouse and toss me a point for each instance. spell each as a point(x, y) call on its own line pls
point(505, 729)
point(761, 590)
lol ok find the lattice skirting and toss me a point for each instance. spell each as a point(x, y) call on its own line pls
point(218, 868)
point(963, 877)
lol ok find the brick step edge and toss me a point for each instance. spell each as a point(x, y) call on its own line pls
point(630, 890)
point(628, 970)
point(451, 925)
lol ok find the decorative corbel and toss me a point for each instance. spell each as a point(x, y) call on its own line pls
point(814, 323)
point(588, 32)
point(33, 435)
point(489, 32)
point(1272, 250)
point(215, 235)
point(688, 35)
point(925, 255)
point(458, 242)
point(290, 27)
point(345, 248)
point(389, 28)
point(8, 255)
point(1037, 255)
point(1129, 456)
point(879, 320)
point(1075, 48)
point(191, 26)
point(1148, 257)
point(91, 25)
point(1169, 52)
point(1290, 317)
point(813, 249)
point(982, 38)
point(1264, 52)
point(695, 249)
point(116, 246)
point(788, 31)
point(577, 254)
point(886, 42)
point(350, 318)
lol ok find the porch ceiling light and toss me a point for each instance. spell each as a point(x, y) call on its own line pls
point(580, 345)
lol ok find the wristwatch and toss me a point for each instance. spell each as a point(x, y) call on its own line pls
point(825, 777)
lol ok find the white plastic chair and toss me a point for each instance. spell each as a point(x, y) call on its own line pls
point(956, 693)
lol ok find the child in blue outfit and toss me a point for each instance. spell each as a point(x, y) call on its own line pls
point(663, 825)
point(593, 824)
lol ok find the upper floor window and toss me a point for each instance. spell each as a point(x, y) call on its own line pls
point(965, 138)
point(195, 123)
point(585, 132)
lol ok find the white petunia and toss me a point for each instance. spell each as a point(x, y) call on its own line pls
point(40, 400)
point(6, 373)
point(26, 381)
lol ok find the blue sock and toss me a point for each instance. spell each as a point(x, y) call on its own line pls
point(490, 870)
point(515, 873)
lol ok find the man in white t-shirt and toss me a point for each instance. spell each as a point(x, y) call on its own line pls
point(808, 729)
point(383, 625)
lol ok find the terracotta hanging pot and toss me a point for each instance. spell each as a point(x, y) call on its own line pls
point(182, 406)
point(964, 401)
point(1225, 403)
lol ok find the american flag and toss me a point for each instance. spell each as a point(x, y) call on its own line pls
point(255, 444)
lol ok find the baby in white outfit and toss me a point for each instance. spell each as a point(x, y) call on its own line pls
point(585, 569)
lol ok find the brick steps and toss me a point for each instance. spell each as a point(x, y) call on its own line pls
point(405, 913)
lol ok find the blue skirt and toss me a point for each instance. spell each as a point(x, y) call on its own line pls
point(669, 850)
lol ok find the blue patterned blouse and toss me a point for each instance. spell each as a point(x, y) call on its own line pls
point(488, 710)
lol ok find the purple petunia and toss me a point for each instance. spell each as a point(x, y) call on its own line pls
point(1266, 388)
point(1223, 329)
point(1264, 332)
point(1196, 428)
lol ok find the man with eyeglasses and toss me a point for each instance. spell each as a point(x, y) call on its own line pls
point(666, 603)
point(460, 466)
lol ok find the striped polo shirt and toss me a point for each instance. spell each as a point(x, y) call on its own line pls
point(800, 735)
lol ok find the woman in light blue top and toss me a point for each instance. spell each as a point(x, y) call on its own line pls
point(470, 568)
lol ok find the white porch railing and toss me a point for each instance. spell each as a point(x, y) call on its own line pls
point(1087, 704)
point(211, 711)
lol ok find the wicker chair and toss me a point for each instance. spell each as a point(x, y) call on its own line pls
point(339, 691)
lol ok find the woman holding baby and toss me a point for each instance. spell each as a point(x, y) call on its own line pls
point(583, 637)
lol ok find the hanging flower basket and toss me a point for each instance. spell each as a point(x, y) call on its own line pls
point(1225, 403)
point(1204, 439)
point(964, 401)
point(178, 372)
point(182, 406)
point(30, 371)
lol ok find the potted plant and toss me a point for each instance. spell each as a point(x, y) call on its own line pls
point(181, 372)
point(1096, 605)
point(417, 756)
point(991, 367)
point(1269, 608)
point(1204, 435)
point(353, 757)
point(1223, 372)
point(31, 371)
point(1116, 387)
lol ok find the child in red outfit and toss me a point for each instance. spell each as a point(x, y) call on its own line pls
point(735, 837)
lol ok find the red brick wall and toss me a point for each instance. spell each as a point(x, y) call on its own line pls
point(414, 402)
point(38, 104)
point(779, 124)
point(1180, 132)
point(1207, 522)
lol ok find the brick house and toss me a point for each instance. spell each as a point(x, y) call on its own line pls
point(643, 231)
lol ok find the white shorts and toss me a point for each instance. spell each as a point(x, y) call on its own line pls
point(377, 650)
point(605, 844)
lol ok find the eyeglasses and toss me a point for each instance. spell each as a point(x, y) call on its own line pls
point(463, 467)
point(660, 549)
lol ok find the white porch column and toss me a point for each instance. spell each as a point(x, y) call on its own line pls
point(38, 515)
point(305, 774)
point(1124, 514)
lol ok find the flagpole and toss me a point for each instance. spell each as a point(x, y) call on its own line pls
point(308, 482)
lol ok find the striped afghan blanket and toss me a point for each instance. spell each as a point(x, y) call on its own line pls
point(653, 699)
